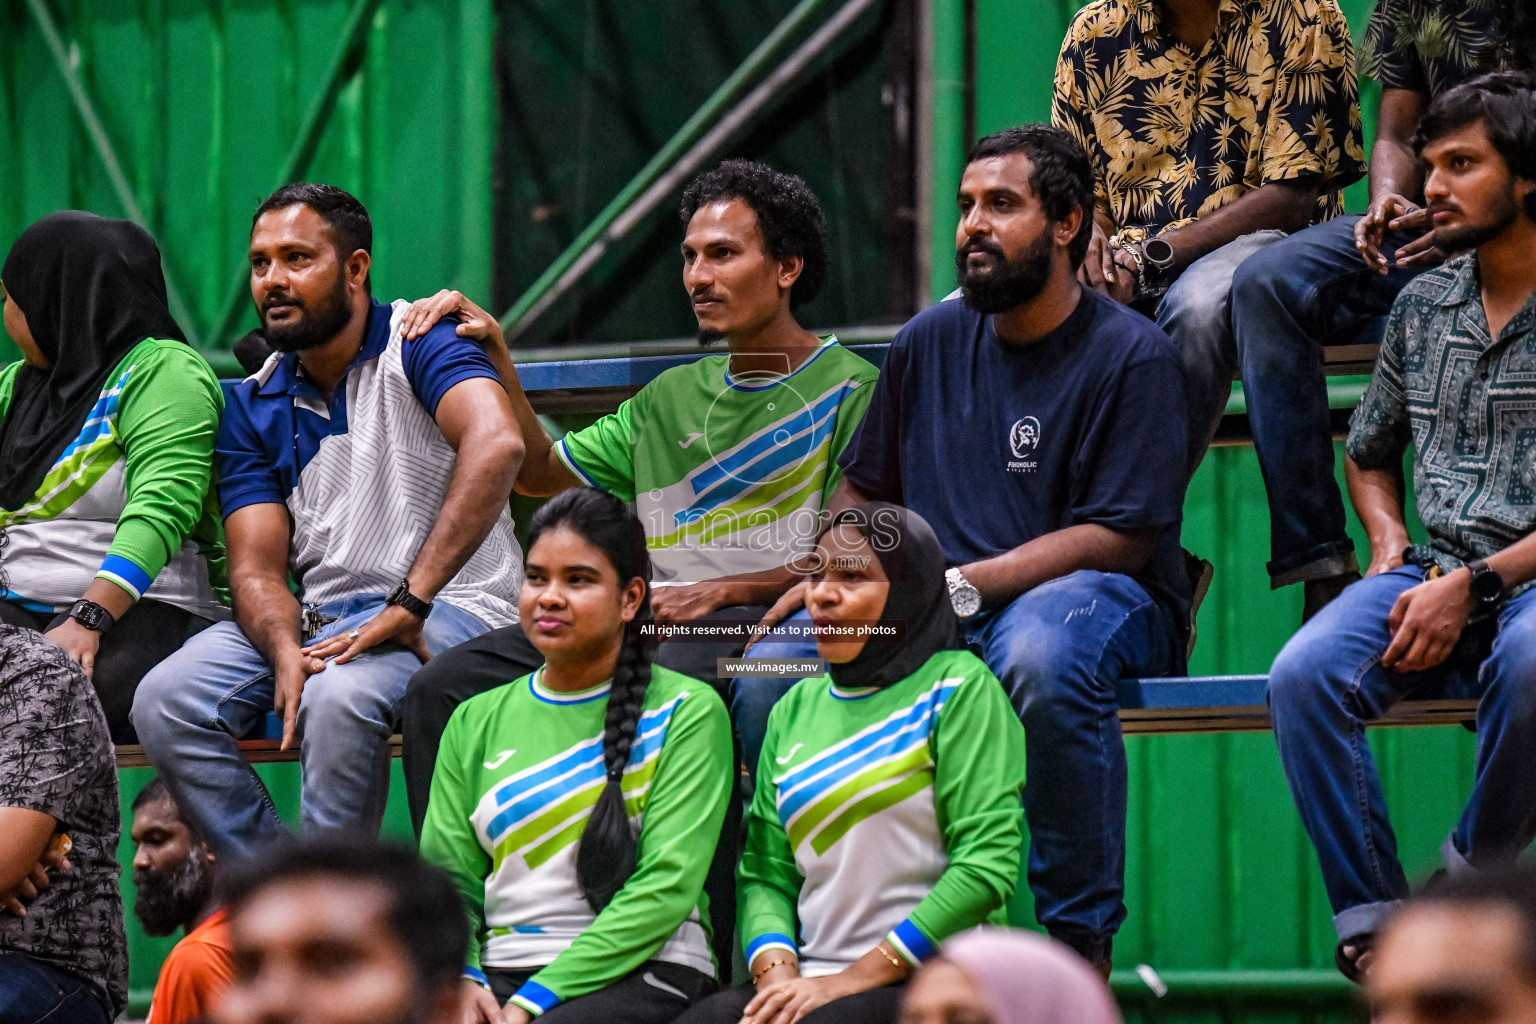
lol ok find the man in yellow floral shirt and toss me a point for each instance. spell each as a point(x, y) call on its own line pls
point(1216, 127)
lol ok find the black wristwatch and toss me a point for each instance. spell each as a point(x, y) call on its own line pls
point(1487, 585)
point(403, 597)
point(92, 616)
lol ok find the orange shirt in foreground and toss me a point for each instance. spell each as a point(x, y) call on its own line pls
point(194, 975)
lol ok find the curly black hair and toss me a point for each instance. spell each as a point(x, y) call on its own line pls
point(1505, 102)
point(788, 215)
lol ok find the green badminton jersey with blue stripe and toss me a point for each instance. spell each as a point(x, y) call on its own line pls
point(728, 474)
point(888, 813)
point(517, 774)
point(129, 499)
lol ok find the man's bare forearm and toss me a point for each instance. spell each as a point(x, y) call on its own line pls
point(1085, 546)
point(268, 614)
point(1284, 205)
point(1395, 169)
point(1377, 495)
point(488, 461)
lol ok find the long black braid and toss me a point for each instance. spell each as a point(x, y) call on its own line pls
point(606, 857)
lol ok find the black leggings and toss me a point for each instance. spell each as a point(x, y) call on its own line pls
point(876, 1006)
point(150, 632)
point(655, 993)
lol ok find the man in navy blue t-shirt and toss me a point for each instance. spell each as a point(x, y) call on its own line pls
point(1039, 427)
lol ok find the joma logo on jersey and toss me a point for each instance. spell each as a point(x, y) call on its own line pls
point(1023, 439)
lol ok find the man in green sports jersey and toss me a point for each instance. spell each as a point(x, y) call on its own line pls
point(730, 461)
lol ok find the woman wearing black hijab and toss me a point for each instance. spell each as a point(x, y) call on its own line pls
point(887, 815)
point(107, 529)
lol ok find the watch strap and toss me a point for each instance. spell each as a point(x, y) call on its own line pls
point(402, 597)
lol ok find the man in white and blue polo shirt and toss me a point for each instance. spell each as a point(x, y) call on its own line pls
point(373, 473)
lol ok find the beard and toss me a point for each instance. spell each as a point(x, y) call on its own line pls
point(1470, 236)
point(709, 335)
point(167, 900)
point(313, 327)
point(1008, 283)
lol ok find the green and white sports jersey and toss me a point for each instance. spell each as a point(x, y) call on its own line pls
point(729, 476)
point(517, 774)
point(130, 499)
point(888, 813)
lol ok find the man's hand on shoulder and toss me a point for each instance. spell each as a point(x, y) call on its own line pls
point(474, 322)
point(1427, 621)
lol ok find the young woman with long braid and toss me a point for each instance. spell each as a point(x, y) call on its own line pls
point(571, 805)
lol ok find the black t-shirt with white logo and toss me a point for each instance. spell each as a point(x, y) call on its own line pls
point(56, 758)
point(996, 445)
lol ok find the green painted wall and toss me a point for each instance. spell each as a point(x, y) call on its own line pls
point(202, 101)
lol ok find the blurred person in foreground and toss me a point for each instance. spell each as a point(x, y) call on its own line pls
point(1463, 953)
point(1003, 976)
point(1455, 616)
point(343, 933)
point(63, 952)
point(176, 876)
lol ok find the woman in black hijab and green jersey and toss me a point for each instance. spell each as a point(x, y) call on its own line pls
point(109, 536)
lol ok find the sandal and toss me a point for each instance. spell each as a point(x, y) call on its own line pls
point(1348, 954)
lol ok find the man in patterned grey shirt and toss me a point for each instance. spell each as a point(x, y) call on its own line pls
point(67, 958)
point(1457, 615)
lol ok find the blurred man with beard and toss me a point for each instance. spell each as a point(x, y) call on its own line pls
point(373, 474)
point(343, 933)
point(1455, 616)
point(1038, 426)
point(175, 874)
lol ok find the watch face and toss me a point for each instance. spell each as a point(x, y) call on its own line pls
point(1158, 251)
point(966, 599)
point(1487, 585)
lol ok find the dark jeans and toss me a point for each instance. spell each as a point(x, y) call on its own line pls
point(501, 655)
point(656, 993)
point(876, 1006)
point(34, 993)
point(1287, 299)
point(1059, 650)
point(1327, 683)
point(149, 633)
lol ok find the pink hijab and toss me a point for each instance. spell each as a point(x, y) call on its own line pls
point(1030, 979)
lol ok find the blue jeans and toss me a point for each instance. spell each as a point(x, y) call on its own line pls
point(192, 707)
point(1287, 299)
point(1059, 650)
point(1328, 683)
point(31, 992)
point(1196, 313)
point(753, 697)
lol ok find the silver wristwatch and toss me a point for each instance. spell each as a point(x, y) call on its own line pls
point(965, 597)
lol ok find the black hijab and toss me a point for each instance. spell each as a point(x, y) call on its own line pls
point(91, 289)
point(918, 600)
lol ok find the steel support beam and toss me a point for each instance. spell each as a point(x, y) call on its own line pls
point(65, 62)
point(682, 154)
point(344, 64)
